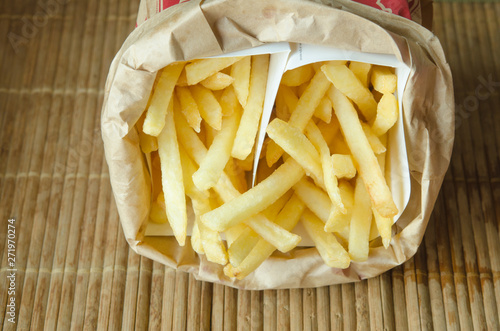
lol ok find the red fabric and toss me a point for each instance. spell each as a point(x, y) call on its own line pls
point(398, 7)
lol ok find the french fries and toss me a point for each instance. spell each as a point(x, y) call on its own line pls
point(324, 162)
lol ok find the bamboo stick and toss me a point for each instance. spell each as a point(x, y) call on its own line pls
point(387, 301)
point(156, 297)
point(143, 294)
point(323, 307)
point(108, 273)
point(230, 308)
point(283, 309)
point(261, 301)
point(362, 305)
point(296, 306)
point(434, 279)
point(218, 307)
point(398, 292)
point(119, 282)
point(375, 304)
point(193, 304)
point(424, 301)
point(206, 305)
point(169, 287)
point(309, 318)
point(180, 301)
point(243, 321)
point(336, 314)
point(131, 288)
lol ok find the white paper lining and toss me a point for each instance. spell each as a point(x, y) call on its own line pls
point(287, 56)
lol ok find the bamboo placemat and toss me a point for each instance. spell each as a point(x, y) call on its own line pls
point(74, 269)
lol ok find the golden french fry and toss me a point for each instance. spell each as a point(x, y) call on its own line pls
point(298, 76)
point(234, 232)
point(387, 114)
point(383, 80)
point(373, 140)
point(315, 199)
point(361, 221)
point(237, 175)
point(196, 240)
point(171, 173)
point(324, 110)
point(188, 107)
point(255, 199)
point(330, 179)
point(345, 81)
point(217, 81)
point(301, 115)
point(218, 154)
point(363, 155)
point(209, 107)
point(287, 101)
point(332, 253)
point(362, 71)
point(213, 246)
point(343, 166)
point(199, 70)
point(155, 114)
point(296, 144)
point(250, 119)
point(228, 101)
point(287, 219)
point(240, 71)
point(340, 224)
point(148, 143)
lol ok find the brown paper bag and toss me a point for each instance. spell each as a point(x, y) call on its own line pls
point(204, 28)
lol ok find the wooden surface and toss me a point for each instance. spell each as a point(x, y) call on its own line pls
point(73, 268)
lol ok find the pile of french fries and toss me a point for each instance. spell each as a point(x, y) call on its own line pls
point(322, 163)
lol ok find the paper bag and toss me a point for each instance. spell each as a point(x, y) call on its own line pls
point(197, 29)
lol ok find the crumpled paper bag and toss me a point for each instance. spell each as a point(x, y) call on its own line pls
point(206, 28)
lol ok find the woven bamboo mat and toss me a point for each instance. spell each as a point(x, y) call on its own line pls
point(73, 268)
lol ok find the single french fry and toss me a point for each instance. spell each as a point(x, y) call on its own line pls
point(228, 101)
point(298, 76)
point(330, 179)
point(287, 219)
point(209, 107)
point(366, 161)
point(182, 81)
point(343, 166)
point(171, 173)
point(218, 154)
point(289, 100)
point(255, 199)
point(240, 71)
point(387, 114)
point(340, 224)
point(274, 234)
point(324, 110)
point(383, 80)
point(373, 140)
point(345, 81)
point(296, 144)
point(361, 221)
point(188, 169)
point(250, 119)
point(148, 143)
point(332, 253)
point(315, 199)
point(213, 246)
point(303, 112)
point(199, 70)
point(362, 71)
point(196, 240)
point(234, 232)
point(384, 224)
point(217, 81)
point(155, 114)
point(188, 107)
